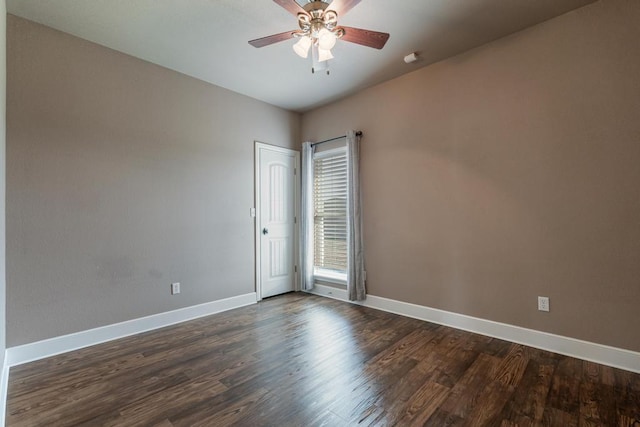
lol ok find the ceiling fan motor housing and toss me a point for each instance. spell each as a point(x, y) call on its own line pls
point(317, 19)
point(315, 6)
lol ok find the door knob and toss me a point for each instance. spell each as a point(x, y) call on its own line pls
point(265, 231)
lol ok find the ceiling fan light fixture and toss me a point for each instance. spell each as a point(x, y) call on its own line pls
point(326, 39)
point(302, 47)
point(324, 54)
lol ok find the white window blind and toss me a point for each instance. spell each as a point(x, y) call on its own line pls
point(330, 214)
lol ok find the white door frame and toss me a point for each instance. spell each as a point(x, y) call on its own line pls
point(263, 146)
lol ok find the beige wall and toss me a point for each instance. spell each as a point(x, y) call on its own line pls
point(123, 177)
point(509, 172)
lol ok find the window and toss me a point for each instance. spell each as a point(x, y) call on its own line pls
point(330, 215)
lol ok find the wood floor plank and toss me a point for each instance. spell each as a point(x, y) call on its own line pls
point(488, 406)
point(465, 393)
point(556, 418)
point(442, 418)
point(513, 366)
point(328, 419)
point(423, 404)
point(302, 360)
point(564, 394)
point(528, 401)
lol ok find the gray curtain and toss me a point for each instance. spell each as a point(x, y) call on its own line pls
point(355, 264)
point(306, 218)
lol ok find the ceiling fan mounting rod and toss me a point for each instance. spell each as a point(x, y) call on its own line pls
point(315, 7)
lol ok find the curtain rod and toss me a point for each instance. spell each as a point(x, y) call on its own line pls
point(358, 133)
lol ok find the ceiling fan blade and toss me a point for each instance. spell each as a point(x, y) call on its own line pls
point(343, 6)
point(291, 5)
point(275, 38)
point(365, 37)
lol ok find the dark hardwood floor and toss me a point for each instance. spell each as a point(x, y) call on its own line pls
point(301, 360)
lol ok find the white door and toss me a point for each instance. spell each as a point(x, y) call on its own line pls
point(276, 225)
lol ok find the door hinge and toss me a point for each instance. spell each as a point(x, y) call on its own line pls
point(295, 219)
point(295, 171)
point(295, 268)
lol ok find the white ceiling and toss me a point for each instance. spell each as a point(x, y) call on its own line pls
point(207, 39)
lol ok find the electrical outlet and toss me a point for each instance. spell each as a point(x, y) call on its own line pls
point(543, 303)
point(175, 288)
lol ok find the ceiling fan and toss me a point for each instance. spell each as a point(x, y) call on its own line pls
point(318, 22)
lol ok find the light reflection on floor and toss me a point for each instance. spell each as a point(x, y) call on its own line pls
point(336, 363)
point(324, 353)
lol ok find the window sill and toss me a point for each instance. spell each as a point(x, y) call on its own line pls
point(330, 282)
point(330, 278)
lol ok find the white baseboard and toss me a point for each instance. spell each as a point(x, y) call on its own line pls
point(603, 354)
point(50, 347)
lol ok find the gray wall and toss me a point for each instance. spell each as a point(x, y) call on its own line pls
point(490, 178)
point(3, 91)
point(123, 177)
point(508, 172)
